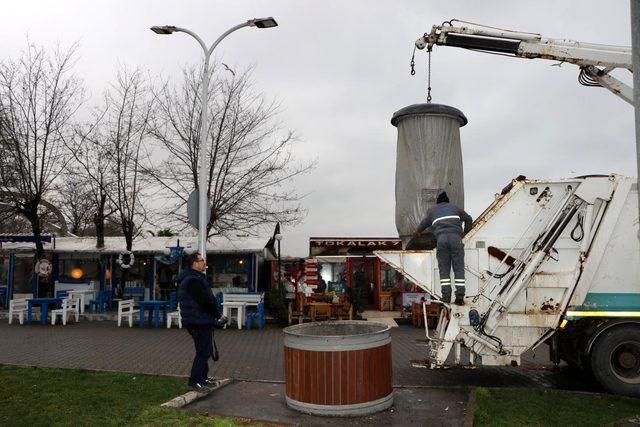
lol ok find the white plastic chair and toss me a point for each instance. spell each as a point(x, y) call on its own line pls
point(126, 309)
point(174, 315)
point(69, 306)
point(17, 307)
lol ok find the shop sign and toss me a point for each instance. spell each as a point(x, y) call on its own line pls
point(356, 243)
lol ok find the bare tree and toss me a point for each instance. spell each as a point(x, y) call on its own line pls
point(74, 196)
point(38, 97)
point(92, 157)
point(123, 130)
point(250, 161)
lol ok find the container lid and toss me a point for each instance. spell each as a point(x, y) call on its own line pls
point(339, 328)
point(428, 109)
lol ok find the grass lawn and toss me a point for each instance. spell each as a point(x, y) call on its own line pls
point(532, 407)
point(68, 397)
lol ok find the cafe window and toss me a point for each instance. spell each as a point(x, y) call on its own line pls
point(23, 273)
point(334, 276)
point(392, 280)
point(228, 271)
point(137, 273)
point(389, 279)
point(78, 269)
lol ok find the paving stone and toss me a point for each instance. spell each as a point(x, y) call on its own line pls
point(254, 355)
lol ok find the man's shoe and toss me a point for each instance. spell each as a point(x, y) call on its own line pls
point(459, 300)
point(210, 381)
point(200, 388)
point(446, 294)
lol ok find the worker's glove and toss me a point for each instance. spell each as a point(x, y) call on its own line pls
point(417, 234)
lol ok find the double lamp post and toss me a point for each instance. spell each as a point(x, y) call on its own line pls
point(203, 205)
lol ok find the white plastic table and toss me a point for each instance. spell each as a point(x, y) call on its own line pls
point(228, 306)
point(81, 295)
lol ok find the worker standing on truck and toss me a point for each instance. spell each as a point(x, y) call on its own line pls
point(446, 220)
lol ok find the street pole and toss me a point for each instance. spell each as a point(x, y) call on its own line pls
point(635, 55)
point(280, 271)
point(203, 190)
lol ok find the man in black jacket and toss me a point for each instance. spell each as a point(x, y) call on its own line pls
point(446, 219)
point(198, 311)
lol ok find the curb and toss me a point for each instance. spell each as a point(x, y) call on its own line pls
point(471, 403)
point(191, 396)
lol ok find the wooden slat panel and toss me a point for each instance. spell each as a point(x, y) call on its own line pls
point(338, 378)
point(344, 377)
point(373, 375)
point(353, 377)
point(337, 375)
point(320, 374)
point(287, 365)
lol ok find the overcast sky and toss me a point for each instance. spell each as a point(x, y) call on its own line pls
point(340, 70)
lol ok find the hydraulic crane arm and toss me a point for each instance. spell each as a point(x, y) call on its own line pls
point(596, 61)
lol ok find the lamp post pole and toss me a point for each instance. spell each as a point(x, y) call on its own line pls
point(280, 288)
point(203, 204)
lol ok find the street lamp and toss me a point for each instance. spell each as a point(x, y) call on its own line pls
point(278, 237)
point(202, 173)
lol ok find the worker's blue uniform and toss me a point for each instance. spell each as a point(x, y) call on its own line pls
point(446, 221)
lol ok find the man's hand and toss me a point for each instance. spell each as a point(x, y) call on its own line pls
point(223, 318)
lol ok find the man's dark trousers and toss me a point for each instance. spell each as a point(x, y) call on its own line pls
point(450, 252)
point(202, 338)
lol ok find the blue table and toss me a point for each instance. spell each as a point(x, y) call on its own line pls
point(154, 305)
point(44, 306)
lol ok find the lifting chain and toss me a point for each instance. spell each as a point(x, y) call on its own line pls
point(413, 71)
point(429, 76)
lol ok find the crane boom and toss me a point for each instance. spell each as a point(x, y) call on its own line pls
point(596, 61)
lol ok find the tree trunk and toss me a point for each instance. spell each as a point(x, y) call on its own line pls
point(98, 221)
point(30, 212)
point(37, 234)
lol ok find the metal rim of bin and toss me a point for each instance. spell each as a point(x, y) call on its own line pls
point(378, 334)
point(366, 408)
point(429, 110)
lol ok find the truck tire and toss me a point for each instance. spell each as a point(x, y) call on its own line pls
point(615, 360)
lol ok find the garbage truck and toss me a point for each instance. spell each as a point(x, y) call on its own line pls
point(549, 261)
point(553, 262)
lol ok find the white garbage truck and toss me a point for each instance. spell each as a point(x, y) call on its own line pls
point(554, 262)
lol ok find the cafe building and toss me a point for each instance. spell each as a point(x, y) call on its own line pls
point(337, 263)
point(234, 263)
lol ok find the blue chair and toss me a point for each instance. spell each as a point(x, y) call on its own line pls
point(219, 299)
point(257, 316)
point(62, 294)
point(172, 300)
point(3, 296)
point(104, 298)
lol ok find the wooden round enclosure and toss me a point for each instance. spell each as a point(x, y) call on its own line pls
point(340, 368)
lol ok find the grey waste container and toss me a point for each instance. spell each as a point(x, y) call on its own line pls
point(429, 160)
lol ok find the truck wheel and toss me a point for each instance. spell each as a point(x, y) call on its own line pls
point(615, 360)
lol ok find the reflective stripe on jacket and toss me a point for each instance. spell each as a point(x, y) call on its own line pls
point(446, 218)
